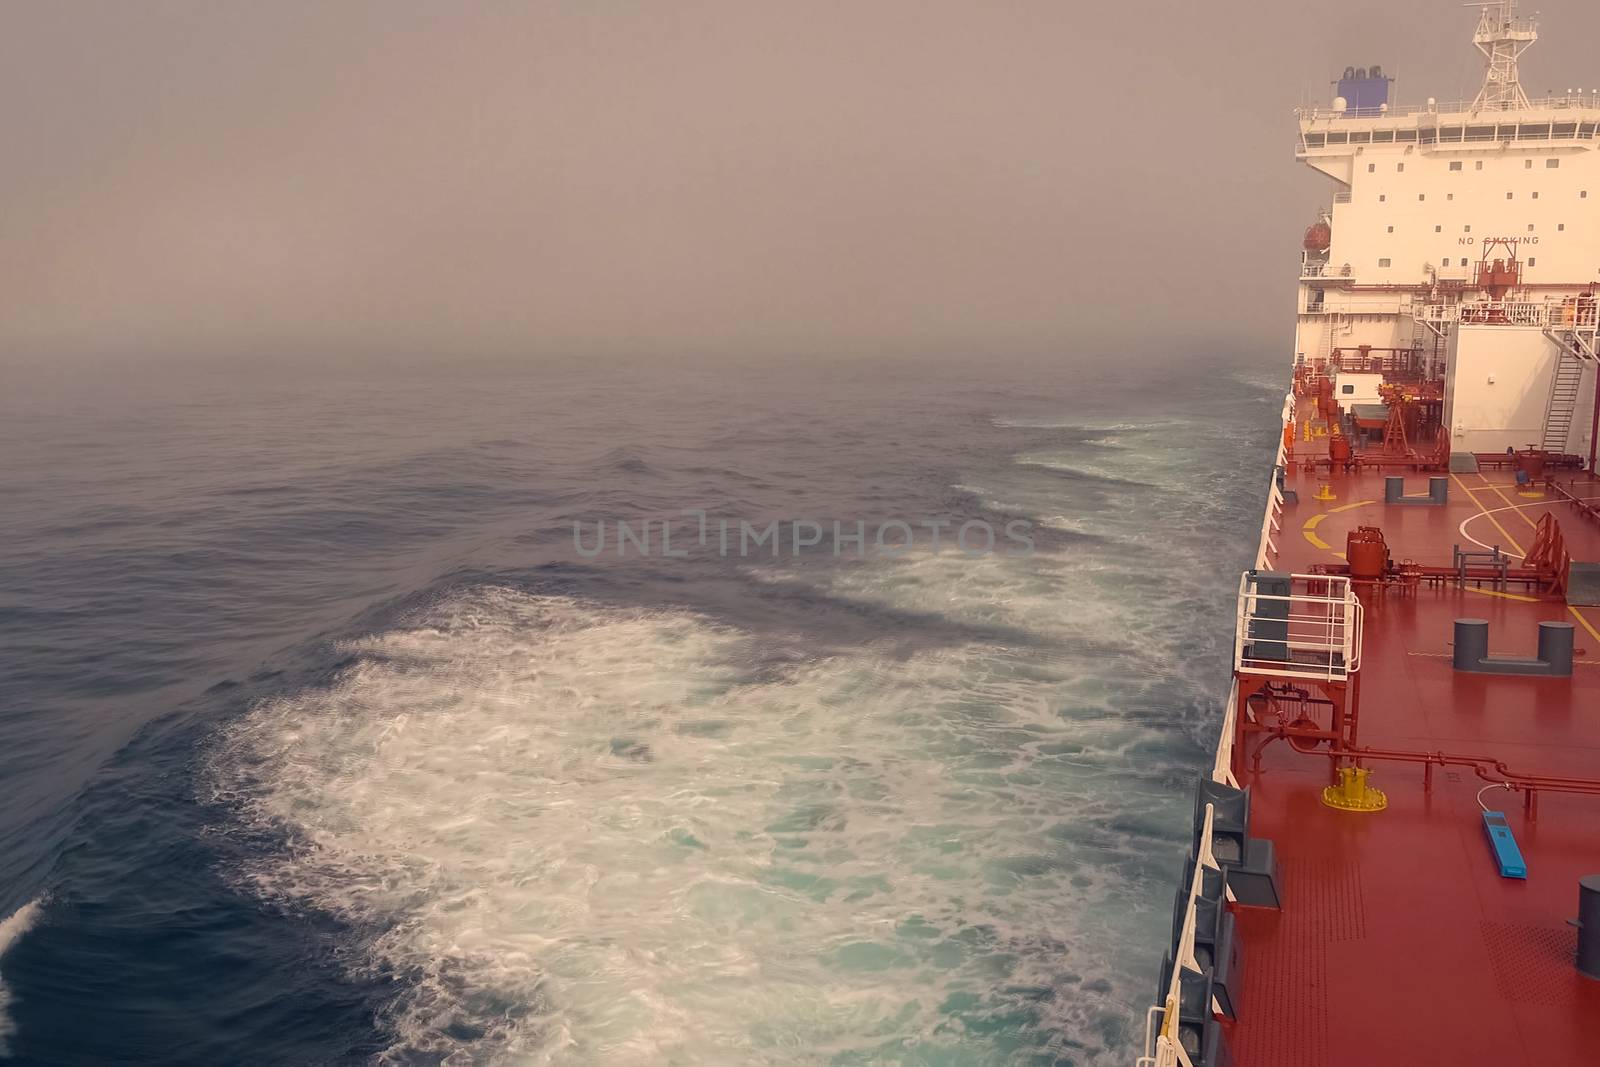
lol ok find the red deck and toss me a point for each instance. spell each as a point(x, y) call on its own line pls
point(1399, 943)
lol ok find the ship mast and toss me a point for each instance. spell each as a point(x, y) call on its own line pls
point(1502, 37)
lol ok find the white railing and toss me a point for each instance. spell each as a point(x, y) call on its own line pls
point(1271, 523)
point(1222, 766)
point(1161, 1045)
point(1327, 308)
point(1272, 520)
point(1321, 268)
point(1574, 313)
point(1320, 624)
point(1460, 108)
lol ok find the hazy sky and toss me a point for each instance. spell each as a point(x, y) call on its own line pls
point(246, 180)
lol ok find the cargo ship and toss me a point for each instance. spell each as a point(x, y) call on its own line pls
point(1396, 854)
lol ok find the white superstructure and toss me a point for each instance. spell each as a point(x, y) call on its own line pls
point(1428, 200)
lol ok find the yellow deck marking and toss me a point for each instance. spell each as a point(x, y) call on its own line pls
point(1315, 520)
point(1587, 625)
point(1520, 513)
point(1485, 513)
point(1311, 524)
point(1504, 596)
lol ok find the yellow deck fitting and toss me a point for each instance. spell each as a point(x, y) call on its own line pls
point(1324, 492)
point(1353, 793)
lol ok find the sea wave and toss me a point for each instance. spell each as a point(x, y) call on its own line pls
point(12, 930)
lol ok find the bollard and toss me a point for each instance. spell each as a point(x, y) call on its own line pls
point(1555, 647)
point(1588, 924)
point(1472, 643)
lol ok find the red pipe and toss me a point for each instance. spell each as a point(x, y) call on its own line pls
point(1584, 786)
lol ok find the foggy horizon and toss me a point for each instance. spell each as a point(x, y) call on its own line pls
point(230, 182)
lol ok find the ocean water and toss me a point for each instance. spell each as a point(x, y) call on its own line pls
point(324, 743)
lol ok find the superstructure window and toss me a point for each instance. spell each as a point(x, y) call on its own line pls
point(1384, 262)
point(1399, 166)
point(1551, 164)
point(1527, 164)
point(1456, 165)
point(1478, 165)
point(1372, 168)
point(1536, 194)
point(1382, 197)
point(1391, 229)
point(1347, 389)
point(1422, 196)
point(1463, 261)
point(1530, 227)
point(1449, 196)
point(1438, 229)
point(1532, 262)
point(1467, 228)
point(1560, 226)
point(1511, 196)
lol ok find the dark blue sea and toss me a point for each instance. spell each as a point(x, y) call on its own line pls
point(322, 741)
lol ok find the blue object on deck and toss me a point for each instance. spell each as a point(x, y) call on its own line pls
point(1506, 853)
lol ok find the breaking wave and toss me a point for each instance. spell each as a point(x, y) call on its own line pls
point(12, 930)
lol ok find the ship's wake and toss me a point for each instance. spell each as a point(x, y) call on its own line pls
point(574, 833)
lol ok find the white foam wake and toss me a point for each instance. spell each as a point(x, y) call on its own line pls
point(593, 835)
point(11, 930)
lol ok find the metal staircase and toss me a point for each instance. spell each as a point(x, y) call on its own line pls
point(1576, 343)
point(1563, 402)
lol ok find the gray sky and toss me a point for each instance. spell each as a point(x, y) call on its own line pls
point(247, 180)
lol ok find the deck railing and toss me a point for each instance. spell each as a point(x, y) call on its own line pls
point(1568, 314)
point(1272, 520)
point(1458, 108)
point(1312, 632)
point(1162, 1047)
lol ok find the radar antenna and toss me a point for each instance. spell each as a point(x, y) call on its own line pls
point(1502, 37)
